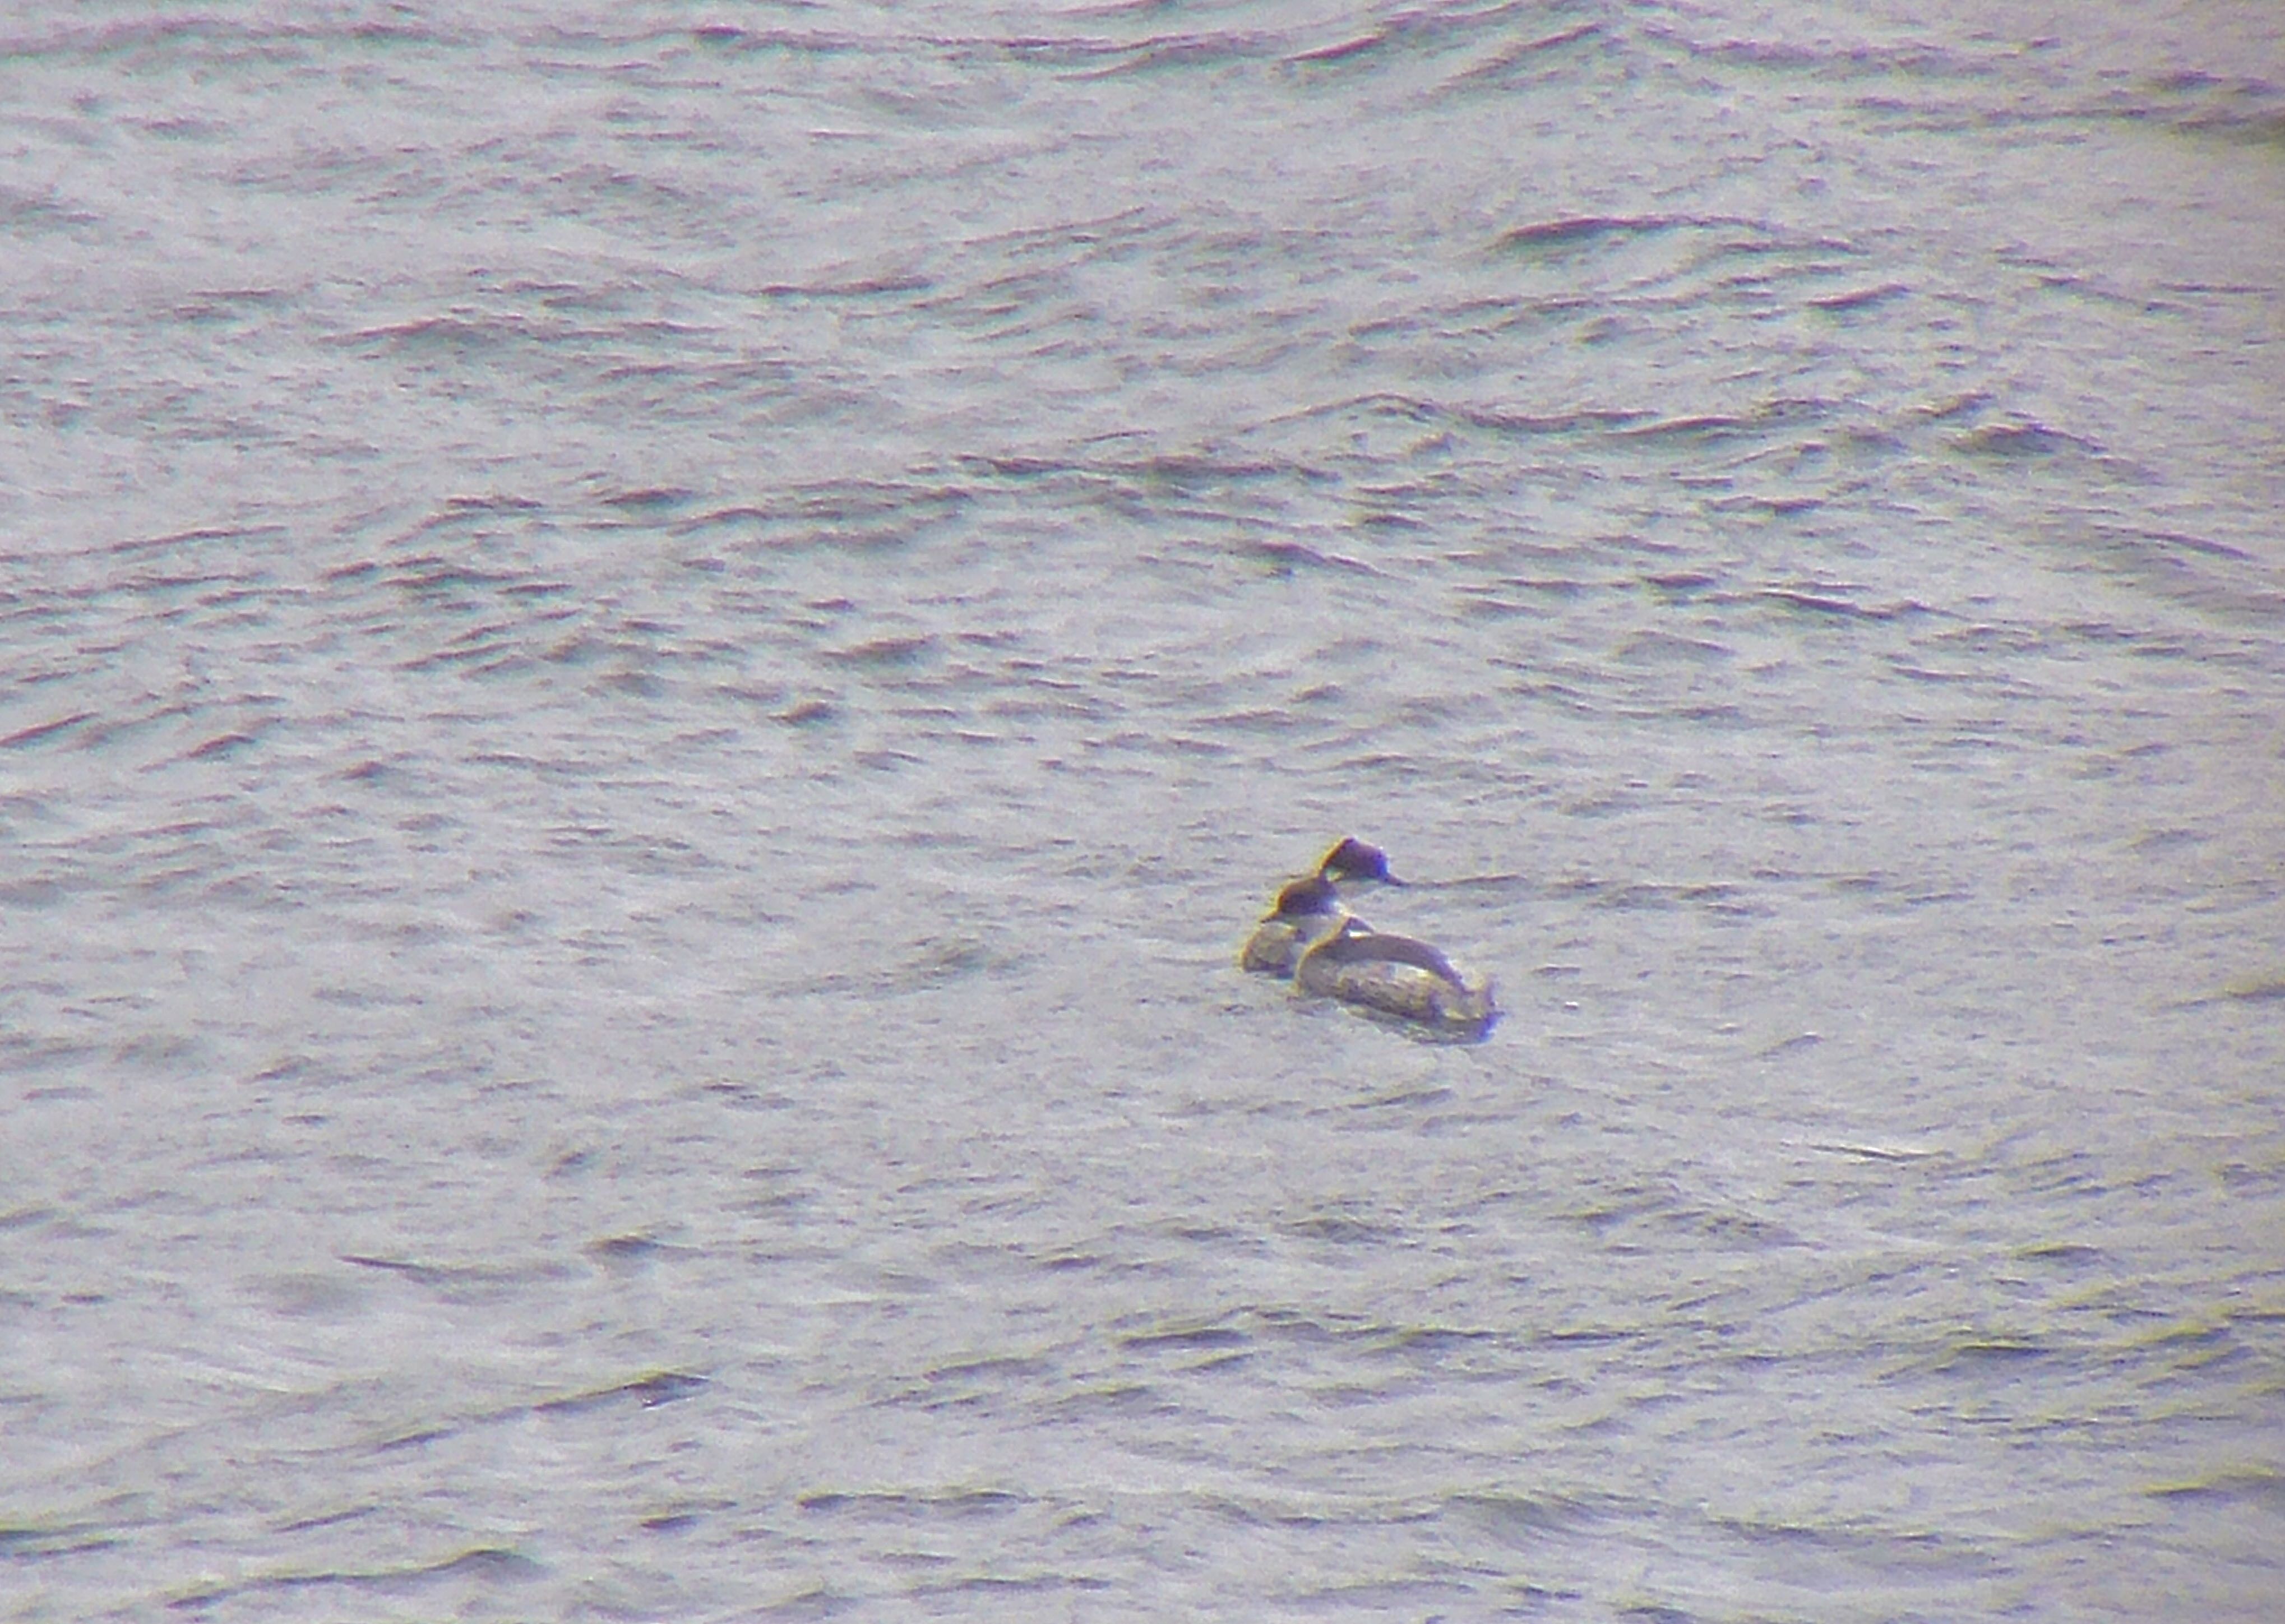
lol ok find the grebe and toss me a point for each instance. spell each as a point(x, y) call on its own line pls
point(1308, 910)
point(1396, 979)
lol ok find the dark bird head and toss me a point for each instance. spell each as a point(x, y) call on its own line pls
point(1307, 899)
point(1352, 859)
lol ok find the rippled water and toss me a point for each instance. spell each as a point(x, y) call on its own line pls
point(654, 657)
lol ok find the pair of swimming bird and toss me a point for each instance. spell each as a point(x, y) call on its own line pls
point(1311, 936)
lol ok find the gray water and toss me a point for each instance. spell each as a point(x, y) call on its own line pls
point(654, 657)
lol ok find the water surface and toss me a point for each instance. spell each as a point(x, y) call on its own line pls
point(654, 657)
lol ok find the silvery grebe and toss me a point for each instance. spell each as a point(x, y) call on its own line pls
point(1395, 978)
point(1307, 911)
